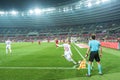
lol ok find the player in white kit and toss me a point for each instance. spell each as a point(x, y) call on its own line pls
point(67, 52)
point(8, 46)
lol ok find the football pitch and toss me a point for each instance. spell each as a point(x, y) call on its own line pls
point(30, 61)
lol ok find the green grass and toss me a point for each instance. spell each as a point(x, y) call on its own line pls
point(47, 55)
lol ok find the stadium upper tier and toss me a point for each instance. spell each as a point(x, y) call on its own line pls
point(109, 28)
point(82, 12)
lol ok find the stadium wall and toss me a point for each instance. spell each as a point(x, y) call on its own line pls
point(114, 45)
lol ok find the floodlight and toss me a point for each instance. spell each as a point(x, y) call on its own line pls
point(98, 2)
point(89, 4)
point(13, 12)
point(65, 9)
point(31, 11)
point(1, 12)
point(104, 0)
point(37, 11)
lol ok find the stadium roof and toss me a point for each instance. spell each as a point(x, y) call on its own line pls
point(27, 4)
point(80, 12)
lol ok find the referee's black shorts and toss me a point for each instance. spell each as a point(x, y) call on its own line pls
point(94, 55)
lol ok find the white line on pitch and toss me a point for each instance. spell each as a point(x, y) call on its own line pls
point(78, 52)
point(69, 68)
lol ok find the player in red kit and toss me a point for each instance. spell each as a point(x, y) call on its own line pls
point(48, 39)
point(32, 41)
point(56, 42)
point(39, 42)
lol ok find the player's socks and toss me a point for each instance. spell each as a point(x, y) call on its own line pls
point(89, 68)
point(6, 51)
point(100, 68)
point(73, 61)
point(10, 51)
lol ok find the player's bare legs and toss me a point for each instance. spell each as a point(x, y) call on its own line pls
point(68, 58)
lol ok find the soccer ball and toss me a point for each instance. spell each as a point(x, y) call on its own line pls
point(79, 61)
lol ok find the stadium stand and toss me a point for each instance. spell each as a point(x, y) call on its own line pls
point(66, 20)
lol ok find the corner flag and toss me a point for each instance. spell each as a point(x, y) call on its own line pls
point(82, 65)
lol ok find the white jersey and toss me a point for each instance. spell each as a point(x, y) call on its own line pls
point(8, 46)
point(8, 43)
point(67, 49)
point(67, 52)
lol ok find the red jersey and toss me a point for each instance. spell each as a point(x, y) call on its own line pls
point(39, 42)
point(56, 41)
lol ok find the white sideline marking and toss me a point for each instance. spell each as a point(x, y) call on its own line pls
point(82, 45)
point(79, 52)
point(48, 68)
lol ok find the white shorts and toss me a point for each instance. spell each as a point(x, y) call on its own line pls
point(8, 47)
point(68, 56)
